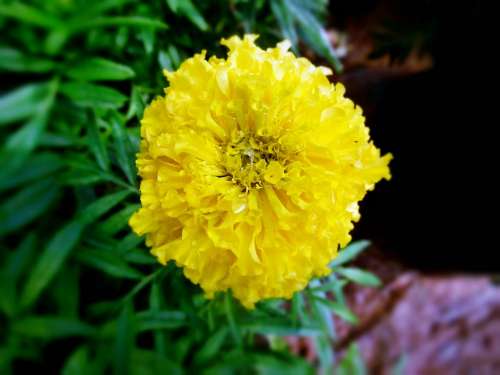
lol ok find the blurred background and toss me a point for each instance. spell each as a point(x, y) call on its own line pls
point(79, 293)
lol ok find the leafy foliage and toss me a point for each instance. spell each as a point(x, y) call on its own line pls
point(79, 293)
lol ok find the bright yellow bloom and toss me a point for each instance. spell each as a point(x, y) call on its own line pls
point(252, 169)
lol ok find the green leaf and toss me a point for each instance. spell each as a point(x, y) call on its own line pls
point(329, 286)
point(84, 172)
point(285, 21)
point(65, 291)
point(21, 143)
point(36, 167)
point(30, 15)
point(101, 206)
point(139, 256)
point(19, 259)
point(278, 327)
point(124, 342)
point(211, 347)
point(298, 308)
point(339, 309)
point(352, 362)
point(315, 35)
point(146, 362)
point(24, 140)
point(156, 300)
point(187, 9)
point(129, 242)
point(234, 327)
point(268, 364)
point(89, 95)
point(304, 16)
point(26, 205)
point(50, 261)
point(99, 69)
point(50, 327)
point(97, 145)
point(236, 362)
point(15, 61)
point(156, 320)
point(117, 221)
point(323, 347)
point(108, 262)
point(359, 276)
point(16, 262)
point(323, 316)
point(90, 9)
point(400, 367)
point(137, 104)
point(174, 5)
point(77, 362)
point(124, 153)
point(144, 282)
point(350, 252)
point(22, 102)
point(119, 21)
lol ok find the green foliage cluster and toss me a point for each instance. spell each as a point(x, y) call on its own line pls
point(79, 293)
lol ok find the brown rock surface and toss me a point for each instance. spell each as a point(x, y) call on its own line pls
point(434, 324)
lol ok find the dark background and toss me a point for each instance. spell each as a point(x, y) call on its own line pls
point(428, 121)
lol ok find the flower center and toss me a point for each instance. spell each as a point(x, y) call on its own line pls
point(251, 161)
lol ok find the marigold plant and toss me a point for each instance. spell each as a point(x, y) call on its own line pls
point(252, 169)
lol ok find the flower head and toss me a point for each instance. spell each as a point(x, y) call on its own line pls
point(252, 169)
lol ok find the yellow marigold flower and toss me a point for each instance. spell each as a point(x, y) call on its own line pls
point(252, 169)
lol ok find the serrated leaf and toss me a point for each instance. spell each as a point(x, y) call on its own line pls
point(89, 95)
point(50, 327)
point(50, 261)
point(99, 69)
point(359, 276)
point(350, 252)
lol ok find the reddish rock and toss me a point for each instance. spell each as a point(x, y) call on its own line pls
point(435, 324)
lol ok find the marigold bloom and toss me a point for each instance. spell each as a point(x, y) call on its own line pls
point(252, 169)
